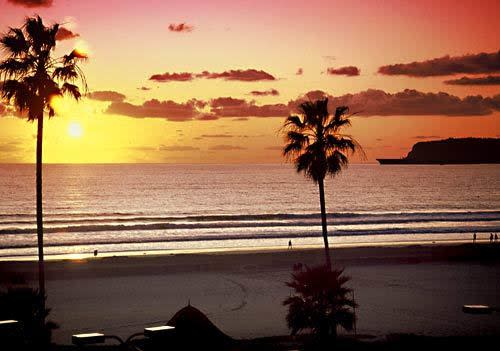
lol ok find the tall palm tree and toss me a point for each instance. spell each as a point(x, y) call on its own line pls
point(315, 144)
point(32, 78)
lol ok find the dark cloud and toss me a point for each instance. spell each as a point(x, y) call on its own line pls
point(247, 75)
point(106, 95)
point(65, 34)
point(178, 148)
point(172, 77)
point(423, 137)
point(180, 27)
point(366, 103)
point(226, 147)
point(226, 102)
point(270, 92)
point(231, 107)
point(488, 80)
point(300, 71)
point(32, 3)
point(350, 71)
point(413, 103)
point(446, 65)
point(154, 108)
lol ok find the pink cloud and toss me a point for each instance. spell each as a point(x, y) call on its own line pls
point(270, 92)
point(367, 103)
point(154, 108)
point(411, 102)
point(446, 65)
point(106, 95)
point(350, 71)
point(65, 34)
point(247, 75)
point(32, 3)
point(180, 27)
point(488, 80)
point(231, 107)
point(172, 77)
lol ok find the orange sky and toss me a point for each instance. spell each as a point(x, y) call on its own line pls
point(130, 41)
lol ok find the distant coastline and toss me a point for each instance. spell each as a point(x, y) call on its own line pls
point(451, 151)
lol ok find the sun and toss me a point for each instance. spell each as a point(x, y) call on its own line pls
point(75, 130)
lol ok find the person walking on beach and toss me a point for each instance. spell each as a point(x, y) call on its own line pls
point(474, 238)
point(289, 244)
point(491, 238)
point(496, 237)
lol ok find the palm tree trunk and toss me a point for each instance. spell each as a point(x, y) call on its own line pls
point(323, 222)
point(39, 211)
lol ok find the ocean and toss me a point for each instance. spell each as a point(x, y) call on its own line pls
point(141, 208)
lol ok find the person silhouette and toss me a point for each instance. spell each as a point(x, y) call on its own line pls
point(496, 237)
point(474, 238)
point(289, 244)
point(491, 238)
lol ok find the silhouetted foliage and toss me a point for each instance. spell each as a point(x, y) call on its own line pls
point(315, 144)
point(23, 304)
point(32, 79)
point(320, 302)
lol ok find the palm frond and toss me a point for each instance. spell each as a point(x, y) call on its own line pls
point(338, 120)
point(16, 67)
point(322, 109)
point(14, 42)
point(71, 90)
point(32, 76)
point(336, 162)
point(324, 138)
point(304, 162)
point(17, 92)
point(294, 122)
point(67, 72)
point(337, 142)
point(309, 111)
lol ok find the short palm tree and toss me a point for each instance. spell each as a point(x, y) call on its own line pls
point(317, 147)
point(32, 78)
point(320, 302)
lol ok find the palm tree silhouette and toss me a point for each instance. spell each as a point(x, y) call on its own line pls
point(32, 78)
point(315, 144)
point(320, 302)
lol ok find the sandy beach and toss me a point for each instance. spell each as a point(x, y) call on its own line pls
point(412, 289)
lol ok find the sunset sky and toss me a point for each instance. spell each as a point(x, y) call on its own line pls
point(212, 81)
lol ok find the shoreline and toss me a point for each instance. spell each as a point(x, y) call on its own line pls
point(230, 250)
point(186, 261)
